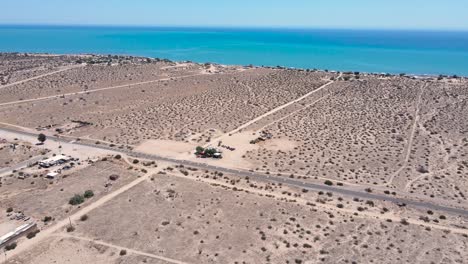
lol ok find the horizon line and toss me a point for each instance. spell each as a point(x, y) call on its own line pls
point(235, 27)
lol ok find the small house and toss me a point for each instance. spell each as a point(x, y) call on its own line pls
point(52, 175)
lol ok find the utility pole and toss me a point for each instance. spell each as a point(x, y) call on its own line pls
point(60, 144)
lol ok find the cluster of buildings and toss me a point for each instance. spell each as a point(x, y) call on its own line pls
point(208, 153)
point(53, 161)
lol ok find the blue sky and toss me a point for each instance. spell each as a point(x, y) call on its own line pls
point(395, 14)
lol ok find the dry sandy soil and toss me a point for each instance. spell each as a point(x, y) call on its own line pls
point(10, 156)
point(39, 197)
point(74, 251)
point(394, 132)
point(390, 133)
point(195, 222)
point(16, 67)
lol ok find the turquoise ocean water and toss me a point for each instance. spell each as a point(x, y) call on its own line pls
point(415, 52)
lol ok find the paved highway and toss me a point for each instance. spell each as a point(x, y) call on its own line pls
point(268, 178)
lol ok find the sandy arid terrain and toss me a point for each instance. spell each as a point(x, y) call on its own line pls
point(12, 153)
point(317, 167)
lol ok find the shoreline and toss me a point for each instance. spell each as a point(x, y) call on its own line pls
point(377, 74)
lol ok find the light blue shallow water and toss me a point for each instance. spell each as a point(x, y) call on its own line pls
point(415, 52)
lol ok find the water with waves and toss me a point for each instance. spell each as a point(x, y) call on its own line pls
point(412, 52)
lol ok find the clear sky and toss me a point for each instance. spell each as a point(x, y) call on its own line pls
point(395, 14)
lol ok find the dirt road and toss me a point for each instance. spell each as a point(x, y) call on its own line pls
point(273, 111)
point(40, 76)
point(95, 90)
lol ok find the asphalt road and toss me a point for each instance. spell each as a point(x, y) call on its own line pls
point(22, 164)
point(269, 178)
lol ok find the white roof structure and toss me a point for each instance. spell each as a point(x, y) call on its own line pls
point(16, 232)
point(52, 174)
point(55, 159)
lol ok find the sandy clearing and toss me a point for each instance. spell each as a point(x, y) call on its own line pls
point(231, 159)
point(167, 148)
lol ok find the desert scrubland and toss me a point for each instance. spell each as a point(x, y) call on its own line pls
point(368, 138)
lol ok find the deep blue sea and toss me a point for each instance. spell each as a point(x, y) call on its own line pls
point(415, 52)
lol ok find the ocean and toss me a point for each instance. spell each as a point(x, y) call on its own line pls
point(389, 51)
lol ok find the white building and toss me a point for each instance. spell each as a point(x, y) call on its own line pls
point(52, 175)
point(11, 236)
point(53, 161)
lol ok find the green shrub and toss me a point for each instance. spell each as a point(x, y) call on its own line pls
point(32, 234)
point(10, 246)
point(76, 199)
point(88, 194)
point(328, 182)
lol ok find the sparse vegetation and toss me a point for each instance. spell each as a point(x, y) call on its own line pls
point(77, 199)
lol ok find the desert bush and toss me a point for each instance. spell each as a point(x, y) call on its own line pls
point(88, 194)
point(422, 169)
point(32, 234)
point(47, 219)
point(123, 252)
point(118, 156)
point(84, 218)
point(328, 182)
point(10, 246)
point(70, 229)
point(9, 210)
point(76, 199)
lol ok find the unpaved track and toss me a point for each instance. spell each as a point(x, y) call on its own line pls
point(292, 113)
point(40, 76)
point(44, 234)
point(306, 202)
point(409, 146)
point(129, 250)
point(343, 190)
point(274, 110)
point(96, 90)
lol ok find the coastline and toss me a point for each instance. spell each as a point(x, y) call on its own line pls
point(377, 74)
point(421, 53)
